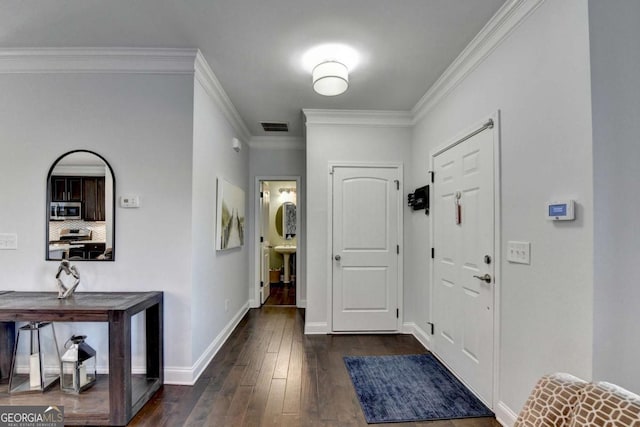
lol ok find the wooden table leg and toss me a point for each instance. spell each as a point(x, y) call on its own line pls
point(7, 339)
point(119, 367)
point(154, 337)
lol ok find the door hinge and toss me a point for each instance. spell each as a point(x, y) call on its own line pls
point(432, 173)
point(261, 194)
point(397, 184)
point(397, 313)
point(261, 239)
point(432, 327)
point(261, 284)
point(433, 253)
point(398, 249)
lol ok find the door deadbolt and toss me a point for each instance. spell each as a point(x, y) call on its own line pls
point(337, 257)
point(487, 259)
point(486, 278)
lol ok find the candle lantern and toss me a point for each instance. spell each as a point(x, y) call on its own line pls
point(78, 365)
point(39, 368)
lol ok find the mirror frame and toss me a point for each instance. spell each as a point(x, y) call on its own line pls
point(280, 223)
point(48, 203)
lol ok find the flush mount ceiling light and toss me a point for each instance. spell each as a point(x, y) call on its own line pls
point(329, 65)
point(330, 78)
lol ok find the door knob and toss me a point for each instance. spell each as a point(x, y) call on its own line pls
point(486, 277)
point(337, 257)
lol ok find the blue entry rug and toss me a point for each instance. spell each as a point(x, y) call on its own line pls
point(410, 388)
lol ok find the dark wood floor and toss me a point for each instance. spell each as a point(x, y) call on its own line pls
point(281, 294)
point(270, 374)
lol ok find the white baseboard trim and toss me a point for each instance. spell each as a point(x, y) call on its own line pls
point(420, 334)
point(254, 304)
point(505, 415)
point(316, 328)
point(188, 376)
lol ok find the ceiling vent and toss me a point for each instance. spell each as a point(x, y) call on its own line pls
point(275, 126)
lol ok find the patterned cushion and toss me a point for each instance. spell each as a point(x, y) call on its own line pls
point(551, 402)
point(605, 404)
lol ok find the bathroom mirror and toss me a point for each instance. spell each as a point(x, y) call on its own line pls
point(286, 220)
point(80, 208)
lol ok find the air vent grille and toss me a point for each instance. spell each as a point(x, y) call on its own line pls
point(275, 126)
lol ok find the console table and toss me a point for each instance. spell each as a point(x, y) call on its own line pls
point(126, 394)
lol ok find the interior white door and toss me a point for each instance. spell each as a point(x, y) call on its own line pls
point(265, 195)
point(365, 248)
point(463, 285)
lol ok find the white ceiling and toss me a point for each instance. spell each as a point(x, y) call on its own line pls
point(254, 46)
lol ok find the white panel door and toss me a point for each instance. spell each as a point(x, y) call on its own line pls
point(463, 303)
point(265, 290)
point(365, 238)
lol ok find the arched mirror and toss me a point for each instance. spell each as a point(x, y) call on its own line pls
point(80, 208)
point(286, 220)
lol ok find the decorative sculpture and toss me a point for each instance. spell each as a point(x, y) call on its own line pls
point(70, 270)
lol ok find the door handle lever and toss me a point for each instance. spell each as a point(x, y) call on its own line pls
point(486, 277)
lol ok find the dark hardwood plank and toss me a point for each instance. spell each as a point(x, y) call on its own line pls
point(269, 373)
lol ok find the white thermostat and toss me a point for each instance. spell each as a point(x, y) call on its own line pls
point(561, 211)
point(129, 202)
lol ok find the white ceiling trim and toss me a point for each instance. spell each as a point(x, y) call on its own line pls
point(97, 60)
point(125, 61)
point(204, 74)
point(510, 15)
point(277, 143)
point(369, 118)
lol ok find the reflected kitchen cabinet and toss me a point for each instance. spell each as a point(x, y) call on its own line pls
point(66, 189)
point(93, 198)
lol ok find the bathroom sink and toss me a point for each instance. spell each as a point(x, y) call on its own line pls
point(285, 249)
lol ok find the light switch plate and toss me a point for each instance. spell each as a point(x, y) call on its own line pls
point(8, 241)
point(519, 252)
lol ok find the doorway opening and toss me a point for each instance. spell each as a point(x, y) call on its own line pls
point(278, 219)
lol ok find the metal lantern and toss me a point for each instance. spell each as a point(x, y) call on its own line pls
point(78, 365)
point(38, 369)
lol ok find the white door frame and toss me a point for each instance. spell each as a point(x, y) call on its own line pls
point(398, 166)
point(461, 137)
point(256, 234)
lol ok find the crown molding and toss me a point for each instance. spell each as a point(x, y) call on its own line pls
point(499, 27)
point(97, 60)
point(124, 61)
point(277, 143)
point(204, 74)
point(358, 118)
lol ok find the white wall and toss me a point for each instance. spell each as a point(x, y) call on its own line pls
point(539, 80)
point(339, 142)
point(143, 126)
point(615, 62)
point(217, 275)
point(279, 157)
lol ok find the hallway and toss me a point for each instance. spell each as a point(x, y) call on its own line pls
point(270, 374)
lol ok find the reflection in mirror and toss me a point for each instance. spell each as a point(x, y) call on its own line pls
point(286, 220)
point(80, 208)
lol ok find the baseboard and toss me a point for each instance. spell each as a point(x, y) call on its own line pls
point(316, 328)
point(420, 334)
point(188, 376)
point(254, 304)
point(505, 415)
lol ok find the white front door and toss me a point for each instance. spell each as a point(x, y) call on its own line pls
point(463, 301)
point(265, 289)
point(366, 215)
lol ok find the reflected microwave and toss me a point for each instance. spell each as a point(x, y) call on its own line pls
point(59, 211)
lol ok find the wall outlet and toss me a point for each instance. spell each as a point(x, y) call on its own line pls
point(519, 252)
point(226, 304)
point(8, 241)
